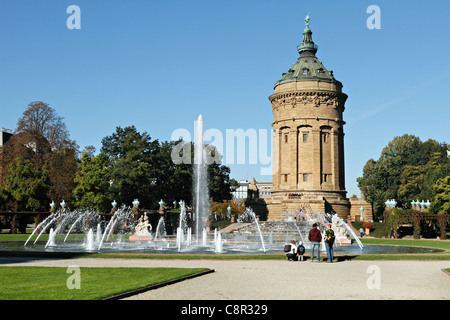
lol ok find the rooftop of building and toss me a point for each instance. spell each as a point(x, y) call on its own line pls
point(307, 66)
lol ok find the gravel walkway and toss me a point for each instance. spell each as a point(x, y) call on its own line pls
point(281, 279)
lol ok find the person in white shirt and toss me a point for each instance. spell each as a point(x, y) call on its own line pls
point(292, 255)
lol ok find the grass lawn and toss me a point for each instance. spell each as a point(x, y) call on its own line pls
point(408, 242)
point(50, 283)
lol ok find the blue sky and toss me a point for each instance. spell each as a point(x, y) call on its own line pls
point(159, 64)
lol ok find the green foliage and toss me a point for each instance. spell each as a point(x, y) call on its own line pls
point(378, 230)
point(130, 166)
point(173, 182)
point(407, 169)
point(441, 202)
point(219, 183)
point(26, 187)
point(133, 161)
point(92, 178)
point(143, 169)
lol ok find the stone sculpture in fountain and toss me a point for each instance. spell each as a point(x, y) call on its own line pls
point(340, 230)
point(142, 230)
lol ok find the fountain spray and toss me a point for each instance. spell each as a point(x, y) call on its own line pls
point(200, 190)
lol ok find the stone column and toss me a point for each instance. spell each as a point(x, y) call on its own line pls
point(317, 170)
point(335, 158)
point(276, 159)
point(293, 147)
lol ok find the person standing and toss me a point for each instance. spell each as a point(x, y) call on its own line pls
point(315, 237)
point(329, 242)
point(301, 250)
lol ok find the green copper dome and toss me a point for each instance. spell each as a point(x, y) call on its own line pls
point(307, 67)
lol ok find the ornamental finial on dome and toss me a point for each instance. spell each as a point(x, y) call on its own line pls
point(307, 46)
point(307, 20)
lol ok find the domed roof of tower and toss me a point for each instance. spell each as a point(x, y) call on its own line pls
point(307, 66)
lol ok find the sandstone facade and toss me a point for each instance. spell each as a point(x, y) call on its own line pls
point(308, 164)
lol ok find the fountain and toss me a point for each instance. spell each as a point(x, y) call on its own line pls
point(160, 229)
point(218, 244)
point(98, 235)
point(250, 216)
point(200, 183)
point(121, 233)
point(142, 230)
point(51, 238)
point(89, 240)
point(341, 230)
point(122, 219)
point(255, 237)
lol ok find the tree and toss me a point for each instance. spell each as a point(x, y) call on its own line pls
point(220, 185)
point(42, 138)
point(42, 119)
point(441, 202)
point(26, 187)
point(412, 183)
point(62, 167)
point(417, 182)
point(133, 160)
point(173, 181)
point(144, 169)
point(92, 178)
point(400, 171)
point(26, 145)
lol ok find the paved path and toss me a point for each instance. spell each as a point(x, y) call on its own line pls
point(281, 279)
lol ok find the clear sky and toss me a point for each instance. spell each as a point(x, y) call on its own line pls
point(159, 64)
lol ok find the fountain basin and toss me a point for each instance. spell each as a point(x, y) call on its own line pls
point(228, 247)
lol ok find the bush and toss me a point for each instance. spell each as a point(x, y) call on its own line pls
point(367, 225)
point(379, 229)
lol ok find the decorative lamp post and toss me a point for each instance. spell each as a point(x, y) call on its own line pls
point(422, 205)
point(390, 203)
point(114, 205)
point(161, 206)
point(136, 208)
point(229, 214)
point(63, 205)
